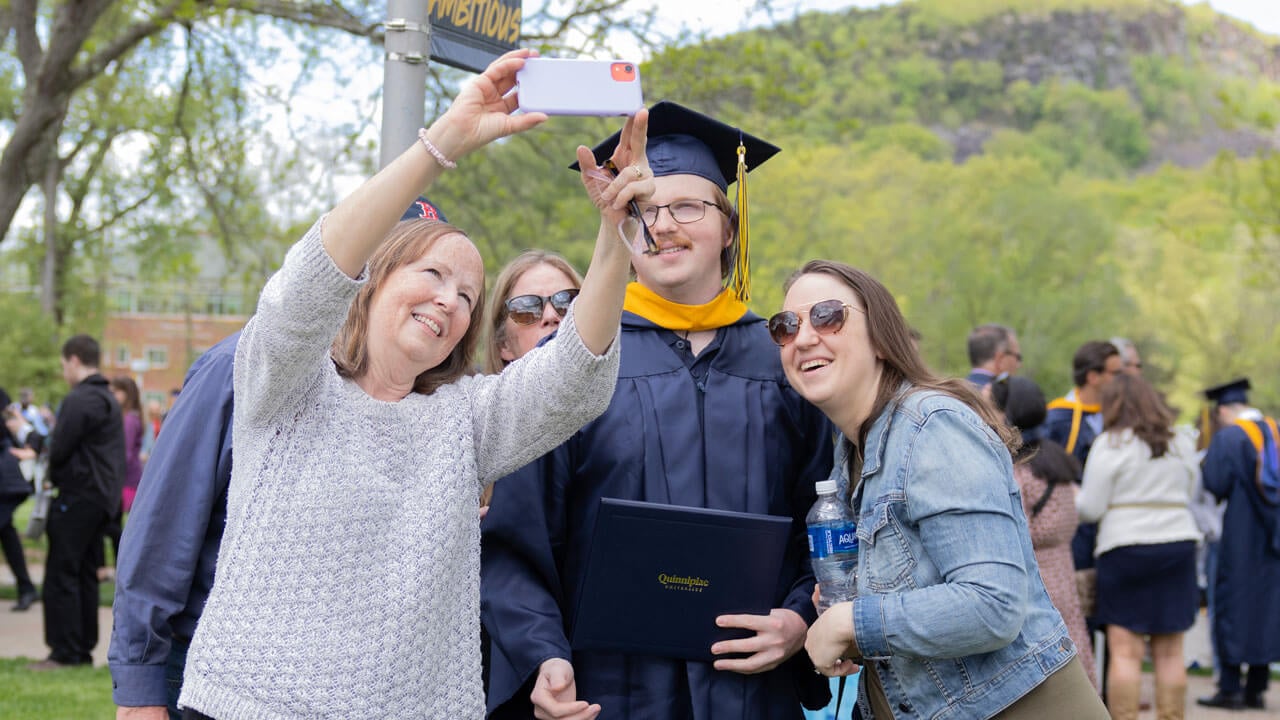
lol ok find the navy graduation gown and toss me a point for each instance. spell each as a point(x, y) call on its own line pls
point(1057, 426)
point(1246, 613)
point(730, 435)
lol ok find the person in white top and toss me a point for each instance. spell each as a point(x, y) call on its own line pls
point(1138, 485)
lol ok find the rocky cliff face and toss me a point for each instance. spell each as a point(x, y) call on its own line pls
point(1093, 47)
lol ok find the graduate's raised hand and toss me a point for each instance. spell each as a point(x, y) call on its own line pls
point(634, 181)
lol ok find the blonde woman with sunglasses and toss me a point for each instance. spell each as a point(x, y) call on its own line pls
point(951, 617)
point(531, 295)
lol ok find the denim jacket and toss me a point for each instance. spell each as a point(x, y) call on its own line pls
point(951, 613)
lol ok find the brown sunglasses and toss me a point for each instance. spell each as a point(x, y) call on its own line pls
point(825, 318)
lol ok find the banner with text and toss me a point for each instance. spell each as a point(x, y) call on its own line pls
point(469, 34)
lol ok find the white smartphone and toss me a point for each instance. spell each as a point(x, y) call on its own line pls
point(558, 86)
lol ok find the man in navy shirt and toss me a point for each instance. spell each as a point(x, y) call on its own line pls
point(170, 545)
point(993, 349)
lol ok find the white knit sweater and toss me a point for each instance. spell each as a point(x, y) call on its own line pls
point(1137, 499)
point(348, 579)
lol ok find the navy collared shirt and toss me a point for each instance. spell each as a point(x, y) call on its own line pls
point(170, 544)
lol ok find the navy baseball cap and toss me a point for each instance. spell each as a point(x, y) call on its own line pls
point(423, 208)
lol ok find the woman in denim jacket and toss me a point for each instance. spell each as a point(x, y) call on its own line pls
point(951, 619)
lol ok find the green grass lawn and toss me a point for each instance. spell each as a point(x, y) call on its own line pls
point(70, 694)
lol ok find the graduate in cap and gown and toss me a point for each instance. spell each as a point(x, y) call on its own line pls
point(702, 416)
point(1242, 467)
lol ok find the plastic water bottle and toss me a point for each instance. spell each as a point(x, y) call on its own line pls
point(833, 546)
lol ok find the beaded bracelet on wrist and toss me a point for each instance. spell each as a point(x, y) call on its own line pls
point(445, 162)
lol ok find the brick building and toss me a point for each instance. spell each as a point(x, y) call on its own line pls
point(155, 334)
point(157, 349)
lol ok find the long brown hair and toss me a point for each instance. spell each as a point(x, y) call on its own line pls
point(890, 337)
point(1130, 402)
point(507, 279)
point(132, 398)
point(407, 242)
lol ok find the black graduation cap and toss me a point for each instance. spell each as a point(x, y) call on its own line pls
point(686, 142)
point(423, 208)
point(1229, 393)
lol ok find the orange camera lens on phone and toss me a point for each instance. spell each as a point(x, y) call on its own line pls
point(623, 71)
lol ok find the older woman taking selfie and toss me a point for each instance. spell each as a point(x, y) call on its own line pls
point(347, 584)
point(951, 618)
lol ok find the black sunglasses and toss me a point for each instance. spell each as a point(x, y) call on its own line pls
point(825, 317)
point(527, 309)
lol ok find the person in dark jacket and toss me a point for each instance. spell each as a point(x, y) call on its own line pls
point(1074, 420)
point(86, 465)
point(1242, 467)
point(14, 489)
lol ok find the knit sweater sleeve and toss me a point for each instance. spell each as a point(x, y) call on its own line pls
point(285, 346)
point(539, 401)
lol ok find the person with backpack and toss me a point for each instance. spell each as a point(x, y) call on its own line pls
point(1242, 467)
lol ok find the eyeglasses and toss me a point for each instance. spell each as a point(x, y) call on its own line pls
point(825, 318)
point(527, 309)
point(682, 211)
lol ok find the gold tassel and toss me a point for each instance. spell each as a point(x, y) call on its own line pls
point(741, 280)
point(1206, 429)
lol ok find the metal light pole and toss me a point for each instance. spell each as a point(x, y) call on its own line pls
point(404, 76)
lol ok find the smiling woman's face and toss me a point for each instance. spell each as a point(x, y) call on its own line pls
point(834, 370)
point(423, 308)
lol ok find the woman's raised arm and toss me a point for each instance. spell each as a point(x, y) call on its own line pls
point(480, 114)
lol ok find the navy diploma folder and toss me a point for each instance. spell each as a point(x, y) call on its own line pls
point(657, 576)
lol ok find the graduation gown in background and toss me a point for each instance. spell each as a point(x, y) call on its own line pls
point(1059, 422)
point(1246, 613)
point(735, 437)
